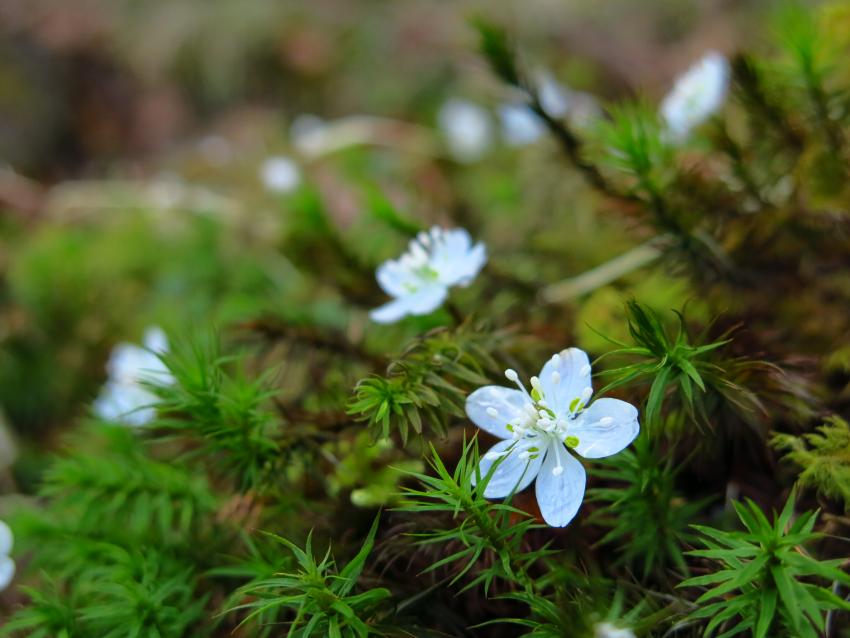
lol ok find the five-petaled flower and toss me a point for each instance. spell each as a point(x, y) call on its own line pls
point(697, 94)
point(7, 565)
point(125, 398)
point(419, 280)
point(538, 427)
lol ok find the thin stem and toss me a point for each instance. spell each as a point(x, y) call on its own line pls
point(604, 274)
point(497, 543)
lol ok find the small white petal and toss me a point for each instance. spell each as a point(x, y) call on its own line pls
point(520, 125)
point(598, 439)
point(607, 630)
point(697, 94)
point(280, 174)
point(467, 129)
point(508, 404)
point(389, 312)
point(7, 571)
point(7, 539)
point(568, 364)
point(421, 302)
point(513, 474)
point(560, 495)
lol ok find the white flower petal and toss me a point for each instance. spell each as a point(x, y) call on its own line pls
point(280, 174)
point(155, 340)
point(605, 427)
point(559, 495)
point(7, 571)
point(573, 377)
point(467, 129)
point(125, 403)
point(520, 125)
point(390, 312)
point(420, 302)
point(697, 94)
point(607, 630)
point(455, 260)
point(7, 539)
point(514, 473)
point(426, 299)
point(506, 402)
point(395, 279)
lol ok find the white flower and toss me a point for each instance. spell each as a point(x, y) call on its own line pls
point(696, 95)
point(537, 428)
point(124, 398)
point(520, 125)
point(467, 129)
point(280, 174)
point(607, 630)
point(7, 565)
point(419, 280)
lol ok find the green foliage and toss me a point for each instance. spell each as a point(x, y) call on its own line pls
point(49, 613)
point(153, 532)
point(480, 528)
point(679, 367)
point(646, 516)
point(370, 469)
point(764, 585)
point(217, 406)
point(634, 144)
point(166, 501)
point(824, 457)
point(318, 594)
point(427, 385)
point(495, 46)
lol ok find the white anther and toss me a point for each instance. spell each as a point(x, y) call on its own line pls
point(542, 403)
point(524, 455)
point(585, 370)
point(511, 375)
point(557, 471)
point(556, 358)
point(493, 413)
point(491, 456)
point(556, 378)
point(535, 383)
point(606, 420)
point(586, 393)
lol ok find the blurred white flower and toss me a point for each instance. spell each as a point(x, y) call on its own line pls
point(520, 125)
point(419, 280)
point(280, 174)
point(124, 398)
point(607, 630)
point(7, 565)
point(537, 428)
point(555, 98)
point(467, 129)
point(696, 95)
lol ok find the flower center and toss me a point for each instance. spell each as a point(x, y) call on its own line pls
point(540, 418)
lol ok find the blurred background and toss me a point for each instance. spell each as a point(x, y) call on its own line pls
point(163, 161)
